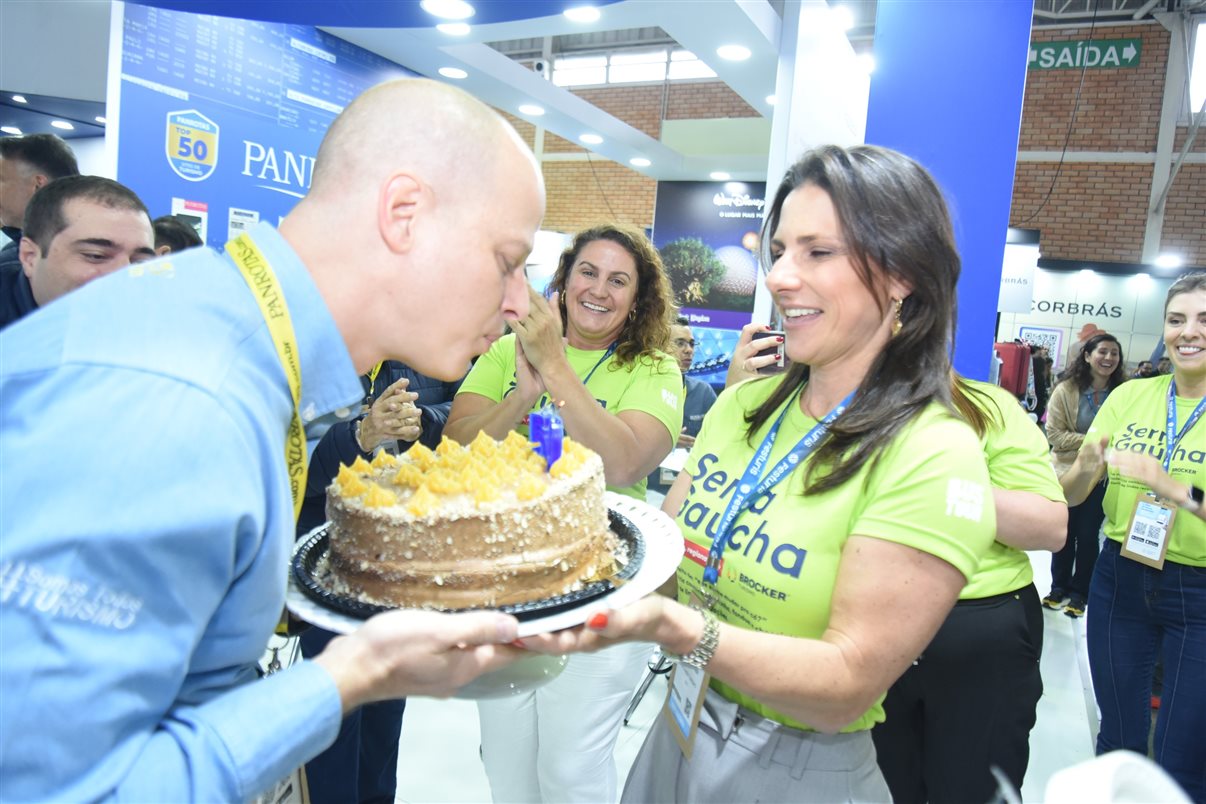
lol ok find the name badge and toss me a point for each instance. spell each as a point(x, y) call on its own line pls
point(688, 685)
point(1147, 537)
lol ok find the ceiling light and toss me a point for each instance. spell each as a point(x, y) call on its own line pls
point(639, 161)
point(591, 139)
point(63, 124)
point(733, 52)
point(719, 175)
point(453, 72)
point(582, 14)
point(16, 132)
point(100, 120)
point(1168, 261)
point(532, 109)
point(865, 62)
point(20, 99)
point(771, 99)
point(843, 17)
point(448, 9)
point(453, 28)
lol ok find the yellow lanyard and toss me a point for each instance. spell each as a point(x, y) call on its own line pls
point(372, 375)
point(266, 289)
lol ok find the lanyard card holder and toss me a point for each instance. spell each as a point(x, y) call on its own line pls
point(684, 702)
point(1150, 526)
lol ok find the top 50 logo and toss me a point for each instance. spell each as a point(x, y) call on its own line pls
point(192, 144)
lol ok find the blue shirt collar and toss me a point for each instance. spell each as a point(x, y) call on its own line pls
point(329, 380)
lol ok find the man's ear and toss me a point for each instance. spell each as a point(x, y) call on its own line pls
point(403, 198)
point(29, 253)
point(161, 250)
point(40, 181)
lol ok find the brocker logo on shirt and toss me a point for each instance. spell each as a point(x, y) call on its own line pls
point(753, 542)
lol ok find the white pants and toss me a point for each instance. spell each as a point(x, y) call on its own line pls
point(555, 744)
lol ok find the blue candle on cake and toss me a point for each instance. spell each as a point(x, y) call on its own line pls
point(546, 430)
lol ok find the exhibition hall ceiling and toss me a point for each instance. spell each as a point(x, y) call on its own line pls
point(502, 53)
point(497, 55)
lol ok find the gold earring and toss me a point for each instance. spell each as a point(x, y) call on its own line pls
point(897, 324)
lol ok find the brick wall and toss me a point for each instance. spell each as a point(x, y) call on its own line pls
point(1119, 109)
point(579, 196)
point(1098, 210)
point(1185, 214)
point(582, 193)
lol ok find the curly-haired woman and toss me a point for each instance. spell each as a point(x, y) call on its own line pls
point(596, 350)
point(1097, 370)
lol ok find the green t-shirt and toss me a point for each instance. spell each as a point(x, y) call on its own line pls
point(1134, 416)
point(650, 385)
point(930, 491)
point(1016, 451)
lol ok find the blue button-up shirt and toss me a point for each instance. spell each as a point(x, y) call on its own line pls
point(145, 530)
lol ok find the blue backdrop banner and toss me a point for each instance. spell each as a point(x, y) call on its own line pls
point(947, 91)
point(221, 119)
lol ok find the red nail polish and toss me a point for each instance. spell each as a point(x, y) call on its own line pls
point(598, 622)
point(779, 339)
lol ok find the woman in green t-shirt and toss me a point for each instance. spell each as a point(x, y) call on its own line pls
point(620, 394)
point(864, 504)
point(1152, 596)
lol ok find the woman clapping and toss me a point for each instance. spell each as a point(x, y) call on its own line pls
point(596, 351)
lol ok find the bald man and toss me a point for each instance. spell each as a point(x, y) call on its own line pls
point(142, 573)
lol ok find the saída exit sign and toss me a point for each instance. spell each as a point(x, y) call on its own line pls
point(1096, 54)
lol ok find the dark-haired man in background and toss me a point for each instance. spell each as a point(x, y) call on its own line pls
point(27, 164)
point(698, 396)
point(174, 234)
point(77, 229)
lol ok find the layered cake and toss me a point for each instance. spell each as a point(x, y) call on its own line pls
point(463, 527)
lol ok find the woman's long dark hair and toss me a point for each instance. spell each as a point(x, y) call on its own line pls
point(1081, 373)
point(647, 329)
point(894, 222)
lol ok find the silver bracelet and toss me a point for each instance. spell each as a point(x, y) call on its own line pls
point(703, 651)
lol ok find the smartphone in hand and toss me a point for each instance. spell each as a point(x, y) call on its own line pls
point(781, 360)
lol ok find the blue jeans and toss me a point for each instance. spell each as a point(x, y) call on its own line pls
point(1133, 611)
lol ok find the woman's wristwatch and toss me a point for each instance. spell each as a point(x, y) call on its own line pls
point(1193, 501)
point(702, 653)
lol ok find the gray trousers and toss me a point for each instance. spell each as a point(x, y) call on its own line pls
point(740, 756)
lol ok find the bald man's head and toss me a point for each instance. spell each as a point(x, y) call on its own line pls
point(454, 140)
point(434, 202)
